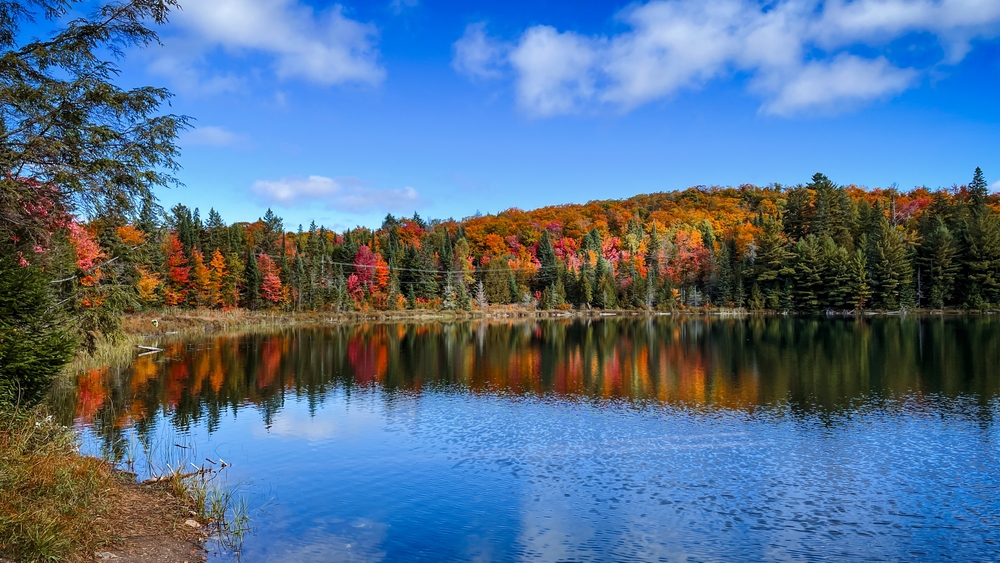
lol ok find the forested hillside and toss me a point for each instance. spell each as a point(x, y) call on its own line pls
point(810, 248)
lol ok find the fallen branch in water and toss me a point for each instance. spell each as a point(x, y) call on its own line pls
point(170, 476)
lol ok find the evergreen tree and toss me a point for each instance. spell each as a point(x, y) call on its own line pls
point(983, 258)
point(497, 282)
point(939, 265)
point(859, 291)
point(254, 279)
point(773, 264)
point(810, 274)
point(217, 234)
point(889, 263)
point(798, 213)
point(978, 190)
point(547, 257)
point(35, 336)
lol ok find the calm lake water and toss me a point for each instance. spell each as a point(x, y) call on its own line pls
point(615, 440)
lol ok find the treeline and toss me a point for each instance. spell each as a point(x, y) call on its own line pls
point(811, 248)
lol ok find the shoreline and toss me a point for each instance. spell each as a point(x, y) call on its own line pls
point(188, 322)
point(61, 505)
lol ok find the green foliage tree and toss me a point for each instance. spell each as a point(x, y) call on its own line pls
point(35, 338)
point(983, 258)
point(938, 260)
point(497, 282)
point(72, 142)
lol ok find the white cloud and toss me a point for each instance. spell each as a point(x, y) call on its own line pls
point(995, 186)
point(347, 194)
point(843, 82)
point(212, 136)
point(477, 55)
point(797, 53)
point(324, 47)
point(184, 66)
point(555, 70)
point(956, 22)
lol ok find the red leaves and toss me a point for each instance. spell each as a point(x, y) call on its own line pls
point(88, 252)
point(270, 289)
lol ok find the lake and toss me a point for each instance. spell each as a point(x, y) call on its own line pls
point(632, 439)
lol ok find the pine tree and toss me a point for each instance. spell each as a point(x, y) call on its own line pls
point(891, 270)
point(217, 233)
point(35, 335)
point(938, 260)
point(810, 274)
point(798, 213)
point(978, 189)
point(773, 264)
point(983, 258)
point(253, 282)
point(859, 293)
point(547, 257)
point(835, 292)
point(497, 282)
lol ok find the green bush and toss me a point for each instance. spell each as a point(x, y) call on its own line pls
point(35, 338)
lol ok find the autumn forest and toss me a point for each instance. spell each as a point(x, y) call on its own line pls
point(811, 248)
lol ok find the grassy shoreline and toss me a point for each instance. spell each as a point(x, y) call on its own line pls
point(59, 505)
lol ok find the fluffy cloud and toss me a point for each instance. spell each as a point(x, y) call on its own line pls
point(324, 47)
point(347, 194)
point(211, 136)
point(477, 55)
point(846, 81)
point(555, 69)
point(797, 53)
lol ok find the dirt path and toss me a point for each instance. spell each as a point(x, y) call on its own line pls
point(153, 526)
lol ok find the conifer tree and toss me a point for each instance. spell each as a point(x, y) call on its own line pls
point(497, 282)
point(978, 189)
point(983, 258)
point(859, 291)
point(810, 274)
point(547, 257)
point(253, 282)
point(939, 263)
point(891, 270)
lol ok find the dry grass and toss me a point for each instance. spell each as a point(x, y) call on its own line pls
point(56, 504)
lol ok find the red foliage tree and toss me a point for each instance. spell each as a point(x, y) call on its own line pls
point(178, 273)
point(270, 289)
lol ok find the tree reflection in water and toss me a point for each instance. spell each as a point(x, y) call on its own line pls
point(819, 366)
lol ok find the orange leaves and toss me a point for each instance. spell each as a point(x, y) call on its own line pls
point(202, 281)
point(178, 273)
point(131, 235)
point(217, 274)
point(147, 285)
point(494, 246)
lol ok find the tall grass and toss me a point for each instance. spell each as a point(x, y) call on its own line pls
point(50, 495)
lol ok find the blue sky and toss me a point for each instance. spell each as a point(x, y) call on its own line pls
point(344, 112)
